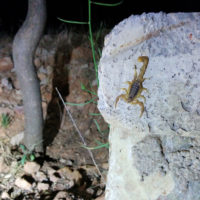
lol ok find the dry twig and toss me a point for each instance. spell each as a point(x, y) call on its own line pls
point(80, 135)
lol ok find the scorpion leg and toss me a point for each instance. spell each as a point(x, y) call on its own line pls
point(125, 90)
point(123, 96)
point(128, 82)
point(143, 79)
point(144, 89)
point(140, 104)
point(142, 96)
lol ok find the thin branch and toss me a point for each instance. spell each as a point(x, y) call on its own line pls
point(80, 135)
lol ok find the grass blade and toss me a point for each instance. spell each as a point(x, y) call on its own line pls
point(106, 145)
point(95, 114)
point(72, 22)
point(82, 104)
point(107, 4)
point(86, 90)
point(98, 127)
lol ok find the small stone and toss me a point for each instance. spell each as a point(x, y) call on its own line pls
point(42, 186)
point(62, 195)
point(59, 186)
point(62, 160)
point(69, 163)
point(73, 175)
point(6, 64)
point(40, 176)
point(99, 192)
point(23, 184)
point(52, 175)
point(16, 193)
point(42, 70)
point(105, 166)
point(90, 191)
point(7, 176)
point(37, 62)
point(31, 167)
point(5, 195)
point(49, 69)
point(53, 178)
point(7, 83)
point(16, 84)
point(16, 140)
point(50, 170)
point(42, 77)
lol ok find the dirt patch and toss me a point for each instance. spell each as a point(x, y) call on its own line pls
point(63, 61)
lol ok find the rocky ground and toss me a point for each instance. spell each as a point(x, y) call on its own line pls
point(63, 61)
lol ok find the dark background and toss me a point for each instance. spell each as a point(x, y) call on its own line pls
point(13, 12)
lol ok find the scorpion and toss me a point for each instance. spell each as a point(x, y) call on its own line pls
point(135, 86)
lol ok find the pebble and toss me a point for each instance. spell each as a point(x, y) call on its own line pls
point(37, 62)
point(42, 186)
point(53, 178)
point(90, 191)
point(17, 139)
point(72, 175)
point(23, 184)
point(6, 64)
point(61, 195)
point(40, 176)
point(7, 176)
point(31, 167)
point(7, 83)
point(5, 195)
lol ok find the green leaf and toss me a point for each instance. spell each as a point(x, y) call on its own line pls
point(32, 157)
point(23, 148)
point(23, 160)
point(5, 120)
point(83, 86)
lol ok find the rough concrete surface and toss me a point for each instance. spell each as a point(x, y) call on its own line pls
point(157, 156)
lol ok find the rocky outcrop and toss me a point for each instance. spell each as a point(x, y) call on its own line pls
point(156, 156)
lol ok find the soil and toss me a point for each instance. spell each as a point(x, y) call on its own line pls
point(63, 61)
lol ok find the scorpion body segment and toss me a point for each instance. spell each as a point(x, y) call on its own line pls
point(133, 91)
point(135, 86)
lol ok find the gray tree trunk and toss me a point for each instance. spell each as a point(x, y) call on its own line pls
point(24, 46)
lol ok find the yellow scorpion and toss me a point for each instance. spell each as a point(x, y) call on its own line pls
point(135, 86)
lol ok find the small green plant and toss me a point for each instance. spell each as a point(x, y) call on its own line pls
point(5, 120)
point(99, 129)
point(27, 155)
point(96, 53)
point(89, 23)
